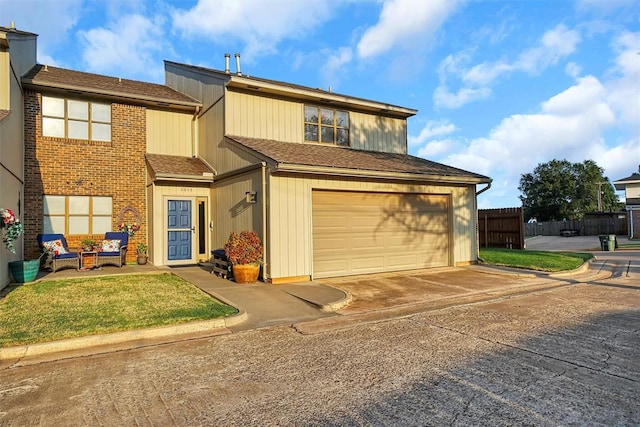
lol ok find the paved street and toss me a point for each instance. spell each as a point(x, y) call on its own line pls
point(566, 355)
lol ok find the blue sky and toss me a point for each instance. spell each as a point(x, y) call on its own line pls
point(500, 86)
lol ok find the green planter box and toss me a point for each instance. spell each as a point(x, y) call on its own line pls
point(24, 271)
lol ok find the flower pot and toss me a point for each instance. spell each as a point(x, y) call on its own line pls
point(142, 259)
point(24, 271)
point(246, 273)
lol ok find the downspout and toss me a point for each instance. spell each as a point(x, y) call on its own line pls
point(264, 219)
point(194, 132)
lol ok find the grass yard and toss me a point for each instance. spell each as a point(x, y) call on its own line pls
point(534, 260)
point(53, 310)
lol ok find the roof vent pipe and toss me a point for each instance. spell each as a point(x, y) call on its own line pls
point(12, 25)
point(226, 62)
point(238, 72)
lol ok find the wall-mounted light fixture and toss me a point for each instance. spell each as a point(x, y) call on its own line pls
point(251, 197)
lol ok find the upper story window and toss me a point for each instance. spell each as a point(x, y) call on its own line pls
point(74, 119)
point(326, 125)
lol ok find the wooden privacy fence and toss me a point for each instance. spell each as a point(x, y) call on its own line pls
point(501, 228)
point(593, 226)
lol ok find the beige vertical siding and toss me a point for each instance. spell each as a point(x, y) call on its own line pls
point(289, 222)
point(5, 80)
point(169, 133)
point(377, 133)
point(263, 117)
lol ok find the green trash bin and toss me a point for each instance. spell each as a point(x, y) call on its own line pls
point(604, 242)
point(611, 243)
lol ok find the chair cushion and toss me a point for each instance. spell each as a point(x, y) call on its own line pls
point(55, 246)
point(110, 245)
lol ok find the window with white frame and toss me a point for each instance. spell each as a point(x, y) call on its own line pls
point(326, 125)
point(76, 119)
point(70, 215)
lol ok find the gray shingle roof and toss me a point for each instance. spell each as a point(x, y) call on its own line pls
point(60, 77)
point(330, 156)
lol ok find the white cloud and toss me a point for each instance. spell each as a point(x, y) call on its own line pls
point(436, 148)
point(404, 23)
point(623, 89)
point(553, 46)
point(572, 69)
point(259, 24)
point(432, 128)
point(52, 21)
point(442, 97)
point(332, 67)
point(126, 48)
point(569, 125)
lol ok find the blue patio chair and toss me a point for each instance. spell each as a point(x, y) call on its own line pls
point(57, 249)
point(111, 253)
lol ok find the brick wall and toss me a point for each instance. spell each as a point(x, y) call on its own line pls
point(59, 166)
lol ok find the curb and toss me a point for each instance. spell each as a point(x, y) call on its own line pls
point(22, 351)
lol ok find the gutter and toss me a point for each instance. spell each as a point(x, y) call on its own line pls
point(484, 189)
point(379, 174)
point(239, 171)
point(136, 99)
point(206, 177)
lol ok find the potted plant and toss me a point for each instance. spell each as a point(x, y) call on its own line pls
point(88, 245)
point(245, 253)
point(141, 250)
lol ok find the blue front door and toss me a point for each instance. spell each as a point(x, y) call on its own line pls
point(179, 230)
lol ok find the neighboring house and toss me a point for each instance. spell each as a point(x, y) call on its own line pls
point(17, 55)
point(631, 187)
point(323, 178)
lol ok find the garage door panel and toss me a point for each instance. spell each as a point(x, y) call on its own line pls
point(357, 233)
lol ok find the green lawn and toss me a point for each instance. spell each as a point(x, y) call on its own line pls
point(534, 260)
point(53, 310)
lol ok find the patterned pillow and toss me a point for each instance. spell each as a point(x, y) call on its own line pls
point(54, 246)
point(110, 245)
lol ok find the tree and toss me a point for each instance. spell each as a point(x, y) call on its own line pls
point(559, 189)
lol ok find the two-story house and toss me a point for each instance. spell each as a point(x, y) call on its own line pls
point(324, 178)
point(631, 187)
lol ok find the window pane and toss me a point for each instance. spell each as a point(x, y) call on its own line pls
point(101, 113)
point(327, 134)
point(310, 114)
point(53, 224)
point(100, 132)
point(78, 205)
point(52, 106)
point(53, 127)
point(101, 224)
point(53, 205)
point(78, 130)
point(342, 118)
point(78, 110)
point(78, 225)
point(311, 133)
point(327, 117)
point(342, 137)
point(102, 206)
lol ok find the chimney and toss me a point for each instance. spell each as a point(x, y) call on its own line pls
point(226, 62)
point(238, 72)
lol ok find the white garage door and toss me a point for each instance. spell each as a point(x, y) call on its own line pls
point(358, 233)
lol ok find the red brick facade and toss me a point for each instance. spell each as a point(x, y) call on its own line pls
point(59, 166)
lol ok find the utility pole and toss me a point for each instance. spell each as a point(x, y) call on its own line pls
point(600, 184)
